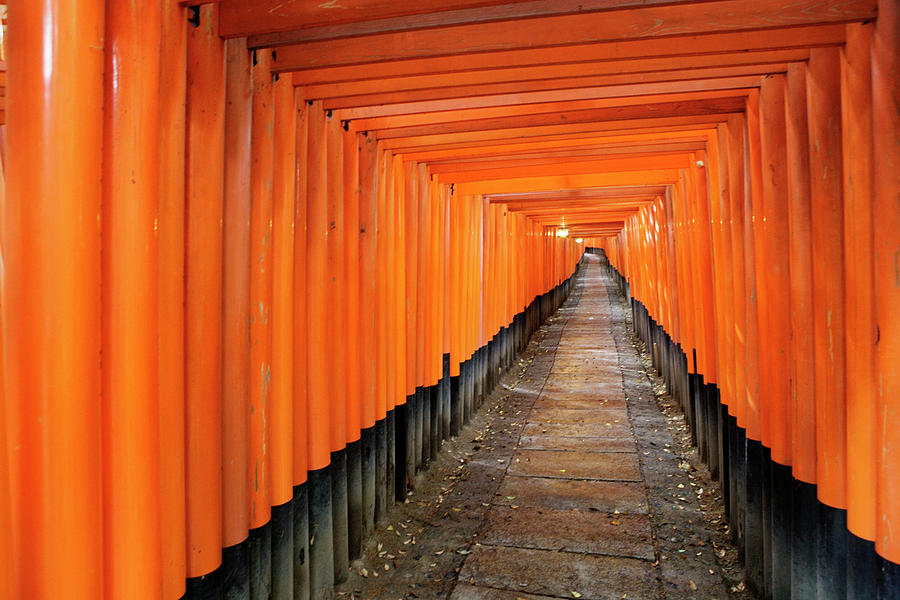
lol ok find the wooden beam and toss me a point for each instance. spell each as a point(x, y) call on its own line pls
point(696, 45)
point(573, 130)
point(582, 206)
point(617, 165)
point(598, 140)
point(602, 86)
point(688, 108)
point(567, 182)
point(545, 75)
point(603, 193)
point(287, 23)
point(653, 22)
point(558, 157)
point(619, 91)
point(623, 98)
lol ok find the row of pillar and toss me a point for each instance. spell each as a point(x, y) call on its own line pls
point(764, 284)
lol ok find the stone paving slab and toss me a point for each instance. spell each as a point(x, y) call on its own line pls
point(604, 385)
point(606, 466)
point(559, 573)
point(586, 402)
point(567, 494)
point(464, 591)
point(569, 530)
point(599, 415)
point(582, 444)
point(597, 430)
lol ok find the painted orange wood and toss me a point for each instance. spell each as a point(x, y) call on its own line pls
point(803, 381)
point(579, 74)
point(129, 334)
point(570, 30)
point(826, 189)
point(885, 94)
point(236, 293)
point(860, 326)
point(173, 58)
point(204, 190)
point(284, 199)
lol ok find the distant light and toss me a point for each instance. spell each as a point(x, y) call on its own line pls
point(579, 240)
point(562, 232)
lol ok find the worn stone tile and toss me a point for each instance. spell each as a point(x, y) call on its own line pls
point(569, 530)
point(585, 444)
point(609, 466)
point(567, 494)
point(559, 573)
point(464, 591)
point(613, 430)
point(601, 415)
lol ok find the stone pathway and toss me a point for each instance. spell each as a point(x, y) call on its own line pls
point(567, 484)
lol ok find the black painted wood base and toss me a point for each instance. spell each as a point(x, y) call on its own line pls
point(321, 535)
point(339, 519)
point(211, 585)
point(300, 551)
point(354, 499)
point(235, 571)
point(282, 538)
point(260, 554)
point(367, 440)
point(381, 497)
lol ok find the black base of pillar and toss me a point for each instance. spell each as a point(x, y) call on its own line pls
point(367, 438)
point(417, 416)
point(804, 519)
point(782, 486)
point(753, 519)
point(339, 523)
point(455, 406)
point(405, 438)
point(434, 423)
point(426, 426)
point(235, 571)
point(832, 554)
point(321, 536)
point(207, 587)
point(889, 581)
point(447, 411)
point(766, 466)
point(863, 565)
point(390, 444)
point(283, 551)
point(380, 470)
point(260, 554)
point(301, 541)
point(354, 499)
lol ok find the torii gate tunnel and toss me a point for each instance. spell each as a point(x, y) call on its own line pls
point(260, 257)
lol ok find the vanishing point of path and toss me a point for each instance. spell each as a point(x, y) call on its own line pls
point(568, 483)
